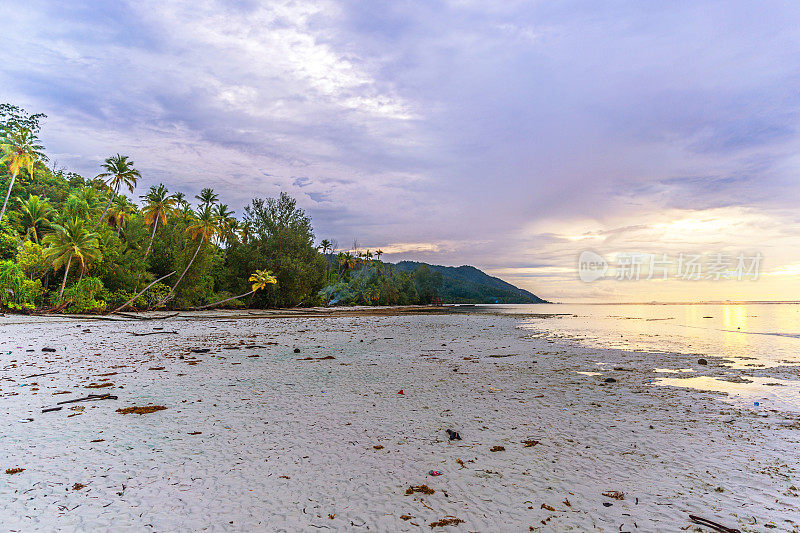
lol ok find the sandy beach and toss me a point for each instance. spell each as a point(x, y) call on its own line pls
point(310, 423)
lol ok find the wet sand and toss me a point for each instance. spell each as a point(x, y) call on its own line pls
point(259, 437)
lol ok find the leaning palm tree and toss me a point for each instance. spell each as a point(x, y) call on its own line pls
point(119, 171)
point(34, 214)
point(71, 242)
point(259, 280)
point(207, 197)
point(20, 150)
point(203, 230)
point(159, 205)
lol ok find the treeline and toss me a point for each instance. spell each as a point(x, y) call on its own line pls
point(83, 245)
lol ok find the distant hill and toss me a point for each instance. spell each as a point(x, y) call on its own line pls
point(467, 284)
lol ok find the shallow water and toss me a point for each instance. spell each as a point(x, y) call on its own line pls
point(748, 335)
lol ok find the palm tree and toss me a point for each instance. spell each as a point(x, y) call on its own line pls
point(260, 279)
point(20, 150)
point(326, 245)
point(207, 197)
point(69, 242)
point(120, 212)
point(179, 198)
point(184, 211)
point(378, 254)
point(34, 214)
point(119, 171)
point(246, 231)
point(224, 217)
point(204, 229)
point(159, 205)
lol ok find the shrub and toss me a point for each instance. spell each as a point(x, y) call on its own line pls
point(16, 291)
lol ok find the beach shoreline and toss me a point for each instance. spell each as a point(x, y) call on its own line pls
point(297, 423)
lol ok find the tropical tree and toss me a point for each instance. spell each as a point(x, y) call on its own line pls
point(121, 210)
point(224, 217)
point(34, 214)
point(179, 198)
point(203, 230)
point(259, 280)
point(119, 171)
point(159, 205)
point(378, 254)
point(71, 242)
point(20, 149)
point(207, 197)
point(325, 245)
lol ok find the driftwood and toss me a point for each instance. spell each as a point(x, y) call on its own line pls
point(42, 374)
point(126, 304)
point(137, 317)
point(90, 398)
point(713, 525)
point(49, 409)
point(151, 333)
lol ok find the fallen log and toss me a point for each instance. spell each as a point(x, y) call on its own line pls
point(38, 375)
point(151, 333)
point(713, 525)
point(90, 398)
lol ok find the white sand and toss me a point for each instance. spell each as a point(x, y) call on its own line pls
point(288, 444)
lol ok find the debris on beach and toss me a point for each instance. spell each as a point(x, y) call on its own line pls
point(452, 434)
point(141, 410)
point(447, 521)
point(434, 473)
point(615, 494)
point(498, 449)
point(423, 489)
point(78, 486)
point(99, 385)
point(529, 443)
point(12, 471)
point(702, 361)
point(378, 447)
point(713, 525)
point(547, 507)
point(406, 517)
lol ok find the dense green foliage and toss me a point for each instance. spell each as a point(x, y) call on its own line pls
point(68, 243)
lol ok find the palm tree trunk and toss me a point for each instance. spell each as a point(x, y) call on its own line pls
point(126, 304)
point(108, 205)
point(5, 202)
point(225, 300)
point(64, 282)
point(152, 236)
point(180, 278)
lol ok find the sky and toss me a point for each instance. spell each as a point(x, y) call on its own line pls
point(512, 136)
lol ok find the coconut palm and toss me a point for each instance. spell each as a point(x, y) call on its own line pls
point(119, 171)
point(378, 254)
point(207, 197)
point(179, 198)
point(34, 214)
point(159, 205)
point(246, 231)
point(325, 245)
point(184, 211)
point(259, 280)
point(121, 210)
point(71, 242)
point(20, 149)
point(224, 217)
point(203, 230)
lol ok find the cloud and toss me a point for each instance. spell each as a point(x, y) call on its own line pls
point(506, 135)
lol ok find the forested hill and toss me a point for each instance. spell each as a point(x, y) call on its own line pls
point(467, 284)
